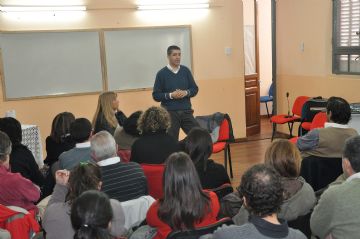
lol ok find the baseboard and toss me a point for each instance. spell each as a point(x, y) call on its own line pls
point(265, 116)
point(278, 135)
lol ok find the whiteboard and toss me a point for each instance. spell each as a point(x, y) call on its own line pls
point(134, 56)
point(50, 63)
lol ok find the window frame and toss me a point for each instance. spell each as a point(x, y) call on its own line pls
point(341, 50)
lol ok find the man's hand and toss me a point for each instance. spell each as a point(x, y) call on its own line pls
point(62, 177)
point(179, 94)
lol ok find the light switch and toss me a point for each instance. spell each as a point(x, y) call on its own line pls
point(228, 51)
point(302, 46)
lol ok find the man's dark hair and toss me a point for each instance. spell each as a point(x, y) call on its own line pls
point(172, 48)
point(352, 152)
point(80, 130)
point(340, 110)
point(262, 188)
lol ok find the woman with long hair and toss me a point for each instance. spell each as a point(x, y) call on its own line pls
point(59, 140)
point(185, 204)
point(155, 144)
point(107, 115)
point(69, 186)
point(91, 214)
point(299, 197)
point(198, 145)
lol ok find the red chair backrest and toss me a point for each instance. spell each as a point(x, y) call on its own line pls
point(224, 132)
point(319, 120)
point(298, 104)
point(154, 175)
point(124, 154)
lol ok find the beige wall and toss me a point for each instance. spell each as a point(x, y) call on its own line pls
point(308, 72)
point(219, 77)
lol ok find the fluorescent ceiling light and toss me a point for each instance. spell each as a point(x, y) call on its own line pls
point(174, 4)
point(41, 8)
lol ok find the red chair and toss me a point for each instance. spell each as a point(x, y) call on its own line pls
point(124, 154)
point(318, 122)
point(154, 175)
point(289, 119)
point(309, 110)
point(223, 143)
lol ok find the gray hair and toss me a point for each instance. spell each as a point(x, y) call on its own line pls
point(103, 146)
point(5, 146)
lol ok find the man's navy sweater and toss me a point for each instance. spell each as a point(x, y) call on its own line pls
point(166, 82)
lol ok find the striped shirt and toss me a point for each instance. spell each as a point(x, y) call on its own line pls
point(124, 181)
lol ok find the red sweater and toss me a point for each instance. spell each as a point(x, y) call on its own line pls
point(16, 190)
point(164, 229)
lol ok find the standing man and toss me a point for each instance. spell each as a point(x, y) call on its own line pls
point(174, 86)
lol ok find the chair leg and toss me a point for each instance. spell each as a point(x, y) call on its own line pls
point(273, 132)
point(267, 110)
point(225, 158)
point(229, 157)
point(290, 125)
point(300, 130)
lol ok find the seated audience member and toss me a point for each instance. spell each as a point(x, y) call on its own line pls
point(328, 141)
point(21, 158)
point(91, 216)
point(108, 116)
point(337, 212)
point(59, 140)
point(198, 145)
point(126, 136)
point(69, 186)
point(299, 197)
point(262, 192)
point(154, 144)
point(80, 131)
point(15, 190)
point(121, 181)
point(185, 205)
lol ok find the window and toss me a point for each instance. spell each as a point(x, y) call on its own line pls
point(346, 37)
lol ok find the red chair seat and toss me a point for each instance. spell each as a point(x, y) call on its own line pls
point(306, 125)
point(282, 119)
point(218, 146)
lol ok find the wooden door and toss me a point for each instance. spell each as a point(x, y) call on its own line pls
point(252, 104)
point(252, 88)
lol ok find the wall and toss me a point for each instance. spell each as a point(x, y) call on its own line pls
point(219, 77)
point(308, 72)
point(265, 50)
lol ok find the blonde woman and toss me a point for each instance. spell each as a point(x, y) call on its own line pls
point(107, 116)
